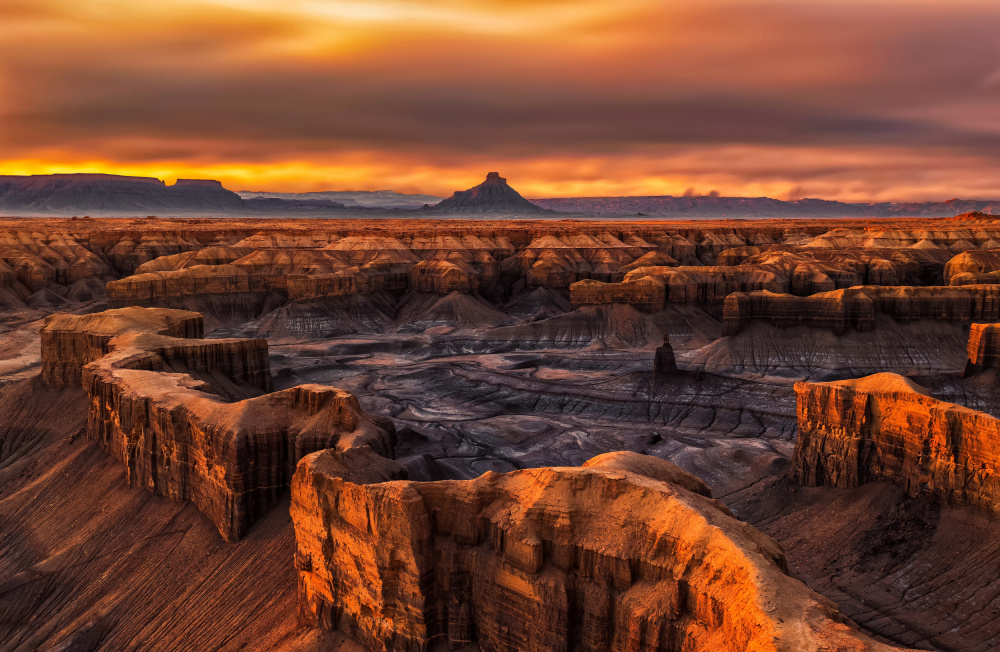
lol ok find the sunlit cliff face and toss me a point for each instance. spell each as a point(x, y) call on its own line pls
point(882, 99)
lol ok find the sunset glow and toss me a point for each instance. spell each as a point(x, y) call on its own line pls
point(881, 100)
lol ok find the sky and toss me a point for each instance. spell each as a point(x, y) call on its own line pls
point(856, 100)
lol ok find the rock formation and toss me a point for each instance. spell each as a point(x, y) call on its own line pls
point(491, 196)
point(69, 341)
point(164, 404)
point(648, 294)
point(973, 267)
point(856, 307)
point(77, 192)
point(886, 428)
point(625, 553)
point(984, 347)
point(443, 277)
point(664, 362)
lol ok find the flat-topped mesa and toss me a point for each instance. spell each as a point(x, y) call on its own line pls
point(886, 428)
point(837, 310)
point(625, 553)
point(71, 341)
point(647, 294)
point(983, 348)
point(72, 192)
point(699, 285)
point(856, 307)
point(167, 282)
point(168, 408)
point(299, 274)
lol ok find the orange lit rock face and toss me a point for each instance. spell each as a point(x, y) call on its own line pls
point(625, 553)
point(973, 267)
point(984, 347)
point(69, 342)
point(167, 408)
point(887, 428)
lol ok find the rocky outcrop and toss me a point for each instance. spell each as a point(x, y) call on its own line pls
point(664, 361)
point(856, 307)
point(973, 267)
point(555, 261)
point(71, 341)
point(648, 294)
point(443, 277)
point(491, 196)
point(984, 347)
point(625, 553)
point(167, 406)
point(886, 428)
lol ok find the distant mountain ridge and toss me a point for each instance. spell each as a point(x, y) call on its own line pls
point(68, 193)
point(755, 207)
point(349, 198)
point(109, 192)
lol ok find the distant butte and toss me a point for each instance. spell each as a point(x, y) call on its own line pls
point(491, 196)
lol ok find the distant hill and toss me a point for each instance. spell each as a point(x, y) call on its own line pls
point(109, 192)
point(348, 198)
point(491, 196)
point(755, 207)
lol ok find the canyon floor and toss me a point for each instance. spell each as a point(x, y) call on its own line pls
point(506, 376)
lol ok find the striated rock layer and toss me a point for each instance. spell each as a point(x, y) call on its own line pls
point(885, 427)
point(164, 407)
point(856, 307)
point(984, 347)
point(625, 553)
point(69, 341)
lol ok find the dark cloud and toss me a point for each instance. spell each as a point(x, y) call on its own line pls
point(249, 86)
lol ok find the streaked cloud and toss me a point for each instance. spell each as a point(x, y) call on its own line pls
point(880, 99)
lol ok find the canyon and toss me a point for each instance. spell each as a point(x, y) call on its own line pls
point(499, 434)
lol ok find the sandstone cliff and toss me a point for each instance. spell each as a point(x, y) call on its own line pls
point(70, 341)
point(856, 307)
point(886, 428)
point(983, 347)
point(166, 405)
point(626, 553)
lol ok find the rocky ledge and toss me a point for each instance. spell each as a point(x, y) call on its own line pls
point(856, 307)
point(886, 428)
point(71, 341)
point(628, 552)
point(168, 408)
point(984, 347)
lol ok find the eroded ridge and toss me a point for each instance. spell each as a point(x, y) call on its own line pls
point(71, 341)
point(885, 427)
point(628, 552)
point(168, 408)
point(856, 307)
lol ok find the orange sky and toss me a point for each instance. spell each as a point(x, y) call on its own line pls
point(853, 100)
